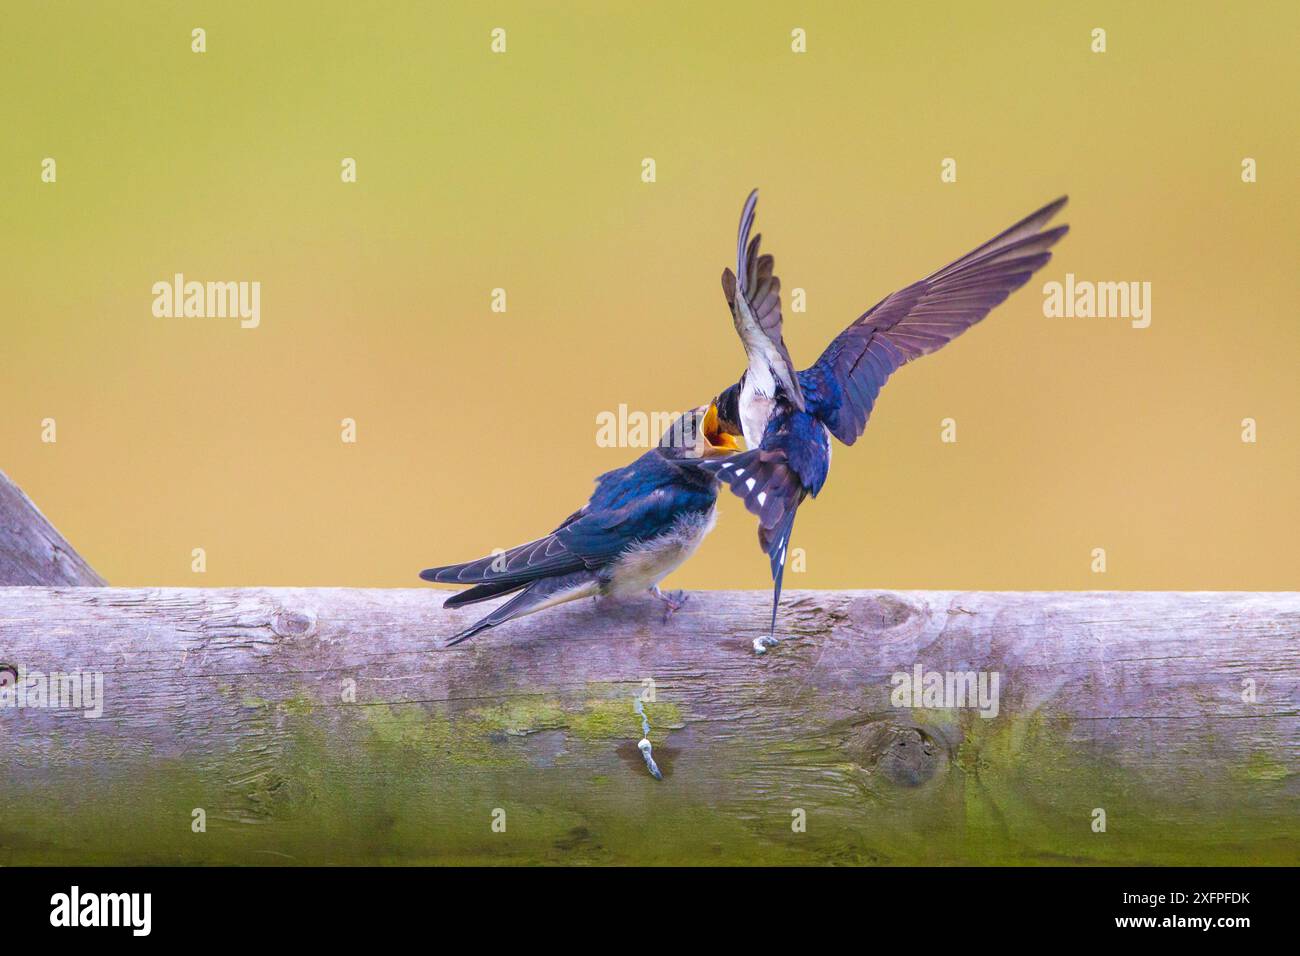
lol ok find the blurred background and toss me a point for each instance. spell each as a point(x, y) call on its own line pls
point(523, 171)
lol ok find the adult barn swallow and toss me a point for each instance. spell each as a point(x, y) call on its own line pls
point(640, 524)
point(787, 419)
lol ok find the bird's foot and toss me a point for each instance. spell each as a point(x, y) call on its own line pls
point(761, 644)
point(673, 602)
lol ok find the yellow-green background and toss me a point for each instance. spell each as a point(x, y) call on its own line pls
point(477, 430)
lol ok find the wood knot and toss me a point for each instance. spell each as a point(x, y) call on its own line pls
point(887, 612)
point(911, 758)
point(293, 623)
point(906, 756)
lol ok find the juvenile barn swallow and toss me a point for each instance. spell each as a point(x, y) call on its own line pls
point(640, 524)
point(787, 419)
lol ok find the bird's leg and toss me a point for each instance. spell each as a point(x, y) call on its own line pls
point(672, 602)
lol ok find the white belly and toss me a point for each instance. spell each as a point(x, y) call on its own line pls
point(755, 409)
point(645, 565)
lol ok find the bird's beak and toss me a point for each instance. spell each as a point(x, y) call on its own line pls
point(714, 436)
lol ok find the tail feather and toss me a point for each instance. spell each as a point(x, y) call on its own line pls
point(534, 597)
point(771, 490)
point(764, 480)
point(481, 592)
point(780, 540)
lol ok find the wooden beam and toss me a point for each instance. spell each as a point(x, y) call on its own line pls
point(31, 550)
point(329, 726)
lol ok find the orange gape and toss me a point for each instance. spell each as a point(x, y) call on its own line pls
point(713, 432)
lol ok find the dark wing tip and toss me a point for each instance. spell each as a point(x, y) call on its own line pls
point(1040, 217)
point(1036, 220)
point(446, 575)
point(747, 213)
point(742, 234)
point(1048, 211)
point(729, 285)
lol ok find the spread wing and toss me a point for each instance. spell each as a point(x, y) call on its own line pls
point(842, 386)
point(754, 295)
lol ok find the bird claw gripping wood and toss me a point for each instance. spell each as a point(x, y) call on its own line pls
point(673, 602)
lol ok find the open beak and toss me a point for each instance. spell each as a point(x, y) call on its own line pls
point(714, 436)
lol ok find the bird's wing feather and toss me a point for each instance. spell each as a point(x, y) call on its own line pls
point(754, 295)
point(527, 562)
point(602, 534)
point(843, 384)
point(629, 504)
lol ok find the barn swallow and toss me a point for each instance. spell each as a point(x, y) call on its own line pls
point(788, 418)
point(640, 524)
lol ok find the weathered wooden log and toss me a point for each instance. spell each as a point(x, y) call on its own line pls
point(328, 726)
point(31, 550)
